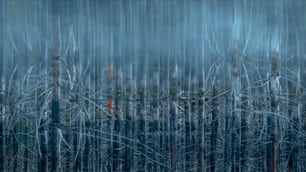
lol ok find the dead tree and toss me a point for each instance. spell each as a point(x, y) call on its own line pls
point(187, 116)
point(201, 112)
point(226, 155)
point(2, 88)
point(274, 89)
point(141, 134)
point(303, 146)
point(110, 118)
point(129, 125)
point(214, 129)
point(173, 122)
point(42, 132)
point(235, 112)
point(26, 151)
point(117, 121)
point(294, 125)
point(290, 144)
point(303, 118)
point(98, 120)
point(244, 126)
point(55, 104)
point(153, 136)
point(12, 135)
point(87, 140)
point(2, 112)
point(155, 122)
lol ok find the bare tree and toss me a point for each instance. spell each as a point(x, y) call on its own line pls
point(129, 123)
point(55, 104)
point(235, 112)
point(201, 113)
point(244, 124)
point(41, 112)
point(173, 122)
point(141, 124)
point(274, 89)
point(2, 88)
point(214, 129)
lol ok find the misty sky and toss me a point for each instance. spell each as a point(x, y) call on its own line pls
point(168, 28)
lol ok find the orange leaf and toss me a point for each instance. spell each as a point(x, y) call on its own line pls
point(110, 106)
point(110, 72)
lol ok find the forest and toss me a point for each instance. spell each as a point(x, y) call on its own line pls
point(153, 85)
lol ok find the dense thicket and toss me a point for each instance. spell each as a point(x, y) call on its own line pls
point(152, 86)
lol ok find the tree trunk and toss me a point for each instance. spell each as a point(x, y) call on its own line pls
point(201, 112)
point(294, 126)
point(110, 122)
point(153, 137)
point(12, 142)
point(117, 124)
point(141, 166)
point(26, 152)
point(2, 112)
point(76, 136)
point(129, 121)
point(235, 112)
point(2, 88)
point(173, 123)
point(227, 101)
point(187, 132)
point(214, 130)
point(98, 121)
point(86, 148)
point(271, 118)
point(42, 132)
point(303, 145)
point(43, 147)
point(244, 127)
point(55, 105)
point(227, 134)
point(68, 157)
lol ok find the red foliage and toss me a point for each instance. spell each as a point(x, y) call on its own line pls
point(110, 106)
